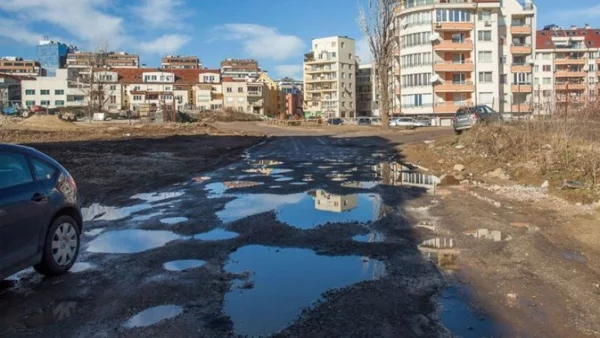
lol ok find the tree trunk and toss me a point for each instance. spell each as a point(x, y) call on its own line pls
point(384, 96)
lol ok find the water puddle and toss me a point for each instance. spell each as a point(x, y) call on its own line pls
point(200, 179)
point(216, 235)
point(275, 186)
point(153, 316)
point(81, 267)
point(268, 171)
point(266, 163)
point(299, 183)
point(131, 241)
point(360, 184)
point(373, 237)
point(306, 210)
point(284, 179)
point(490, 235)
point(93, 232)
point(158, 197)
point(173, 220)
point(441, 251)
point(98, 212)
point(148, 217)
point(217, 189)
point(52, 314)
point(574, 256)
point(298, 276)
point(183, 265)
point(461, 319)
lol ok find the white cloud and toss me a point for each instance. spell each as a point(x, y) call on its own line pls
point(262, 41)
point(293, 71)
point(162, 13)
point(24, 35)
point(564, 15)
point(363, 51)
point(165, 44)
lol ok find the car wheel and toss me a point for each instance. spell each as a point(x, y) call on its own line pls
point(458, 132)
point(61, 247)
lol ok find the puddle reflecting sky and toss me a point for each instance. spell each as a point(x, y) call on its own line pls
point(182, 265)
point(285, 281)
point(216, 235)
point(130, 241)
point(360, 184)
point(173, 220)
point(373, 237)
point(217, 189)
point(153, 315)
point(100, 212)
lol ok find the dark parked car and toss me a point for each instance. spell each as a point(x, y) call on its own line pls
point(40, 216)
point(466, 117)
point(335, 121)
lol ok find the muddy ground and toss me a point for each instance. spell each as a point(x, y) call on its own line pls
point(472, 260)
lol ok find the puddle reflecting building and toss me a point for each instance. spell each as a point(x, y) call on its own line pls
point(325, 201)
point(442, 251)
point(397, 174)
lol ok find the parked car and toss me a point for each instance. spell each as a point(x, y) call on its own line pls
point(363, 121)
point(40, 216)
point(335, 121)
point(465, 118)
point(406, 122)
point(423, 121)
point(376, 121)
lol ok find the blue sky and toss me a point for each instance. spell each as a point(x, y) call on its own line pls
point(276, 32)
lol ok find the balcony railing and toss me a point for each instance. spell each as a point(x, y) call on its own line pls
point(522, 88)
point(569, 86)
point(521, 68)
point(522, 108)
point(520, 29)
point(453, 26)
point(571, 61)
point(447, 45)
point(521, 48)
point(456, 87)
point(450, 107)
point(567, 73)
point(451, 66)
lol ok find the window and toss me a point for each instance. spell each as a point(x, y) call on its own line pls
point(546, 56)
point(547, 68)
point(229, 90)
point(343, 75)
point(485, 77)
point(14, 170)
point(43, 170)
point(113, 99)
point(113, 87)
point(522, 78)
point(30, 92)
point(592, 79)
point(484, 36)
point(30, 103)
point(503, 78)
point(59, 103)
point(536, 81)
point(136, 88)
point(45, 103)
point(45, 92)
point(536, 69)
point(547, 80)
point(459, 78)
point(485, 57)
point(59, 92)
point(349, 56)
point(453, 15)
point(486, 98)
point(592, 68)
point(343, 45)
point(240, 90)
point(333, 55)
point(137, 98)
point(484, 15)
point(167, 88)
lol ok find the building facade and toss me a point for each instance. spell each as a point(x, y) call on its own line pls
point(10, 90)
point(79, 59)
point(180, 62)
point(18, 66)
point(245, 96)
point(64, 89)
point(329, 78)
point(367, 94)
point(567, 68)
point(276, 100)
point(461, 53)
point(52, 55)
point(240, 69)
point(293, 104)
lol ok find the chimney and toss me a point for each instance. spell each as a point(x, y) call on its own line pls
point(587, 26)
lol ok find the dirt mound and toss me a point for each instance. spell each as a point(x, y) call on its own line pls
point(47, 122)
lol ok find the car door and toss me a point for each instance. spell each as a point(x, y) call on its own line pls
point(20, 213)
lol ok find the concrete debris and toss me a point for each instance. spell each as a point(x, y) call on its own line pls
point(448, 180)
point(546, 184)
point(569, 184)
point(499, 174)
point(459, 167)
point(460, 146)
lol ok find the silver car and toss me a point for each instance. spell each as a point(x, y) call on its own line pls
point(465, 118)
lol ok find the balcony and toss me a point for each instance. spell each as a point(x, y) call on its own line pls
point(451, 46)
point(323, 79)
point(453, 26)
point(522, 88)
point(522, 108)
point(521, 68)
point(520, 30)
point(450, 66)
point(570, 86)
point(521, 49)
point(571, 100)
point(570, 61)
point(566, 73)
point(321, 70)
point(450, 107)
point(455, 87)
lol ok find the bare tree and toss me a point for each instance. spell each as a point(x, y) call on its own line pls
point(377, 24)
point(95, 82)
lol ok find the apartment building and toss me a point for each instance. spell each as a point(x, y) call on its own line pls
point(459, 53)
point(13, 65)
point(64, 89)
point(180, 62)
point(209, 91)
point(367, 94)
point(276, 96)
point(567, 68)
point(79, 59)
point(329, 78)
point(10, 90)
point(240, 69)
point(245, 96)
point(52, 55)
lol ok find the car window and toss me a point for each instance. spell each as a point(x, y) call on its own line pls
point(43, 171)
point(461, 112)
point(14, 170)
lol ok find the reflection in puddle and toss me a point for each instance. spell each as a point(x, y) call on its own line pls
point(266, 163)
point(360, 184)
point(147, 217)
point(93, 232)
point(153, 315)
point(275, 187)
point(490, 235)
point(216, 235)
point(268, 171)
point(441, 251)
point(285, 281)
point(131, 241)
point(460, 318)
point(173, 220)
point(396, 174)
point(218, 189)
point(299, 183)
point(373, 237)
point(284, 179)
point(53, 314)
point(82, 266)
point(183, 265)
point(100, 212)
point(158, 197)
point(252, 204)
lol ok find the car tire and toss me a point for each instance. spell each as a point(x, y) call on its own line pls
point(458, 132)
point(64, 232)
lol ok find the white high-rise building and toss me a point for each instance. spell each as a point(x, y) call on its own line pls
point(329, 78)
point(463, 53)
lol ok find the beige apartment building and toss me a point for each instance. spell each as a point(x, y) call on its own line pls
point(461, 53)
point(113, 60)
point(329, 78)
point(245, 96)
point(18, 66)
point(180, 62)
point(367, 93)
point(240, 69)
point(567, 68)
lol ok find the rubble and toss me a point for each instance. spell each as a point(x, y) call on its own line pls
point(459, 167)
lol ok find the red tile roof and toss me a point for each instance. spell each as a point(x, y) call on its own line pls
point(544, 37)
point(227, 79)
point(182, 76)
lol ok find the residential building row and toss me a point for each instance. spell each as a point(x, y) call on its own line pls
point(173, 89)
